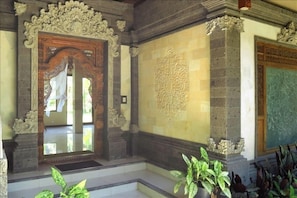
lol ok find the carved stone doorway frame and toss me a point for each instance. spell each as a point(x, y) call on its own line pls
point(73, 18)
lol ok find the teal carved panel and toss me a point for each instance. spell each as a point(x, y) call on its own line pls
point(281, 104)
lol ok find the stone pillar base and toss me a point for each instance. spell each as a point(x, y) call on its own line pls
point(240, 166)
point(116, 148)
point(25, 156)
point(3, 176)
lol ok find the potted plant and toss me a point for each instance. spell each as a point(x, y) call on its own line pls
point(75, 191)
point(202, 174)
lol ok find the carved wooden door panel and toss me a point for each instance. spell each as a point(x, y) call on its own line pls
point(86, 55)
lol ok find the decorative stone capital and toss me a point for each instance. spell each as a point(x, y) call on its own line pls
point(115, 119)
point(288, 34)
point(20, 8)
point(28, 125)
point(134, 51)
point(225, 23)
point(121, 24)
point(70, 19)
point(226, 147)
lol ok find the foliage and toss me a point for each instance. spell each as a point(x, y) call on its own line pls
point(283, 184)
point(204, 173)
point(75, 191)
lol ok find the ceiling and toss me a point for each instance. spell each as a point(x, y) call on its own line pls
point(289, 4)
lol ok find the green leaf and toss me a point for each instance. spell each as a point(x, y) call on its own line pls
point(77, 188)
point(177, 174)
point(204, 166)
point(210, 180)
point(58, 178)
point(186, 160)
point(292, 192)
point(224, 174)
point(210, 171)
point(216, 167)
point(204, 154)
point(227, 180)
point(227, 192)
point(45, 194)
point(83, 195)
point(221, 182)
point(177, 186)
point(207, 186)
point(193, 189)
point(189, 177)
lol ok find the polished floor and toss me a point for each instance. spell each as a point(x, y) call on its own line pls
point(63, 139)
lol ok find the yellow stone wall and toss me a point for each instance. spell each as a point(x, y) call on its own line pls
point(8, 74)
point(126, 85)
point(174, 95)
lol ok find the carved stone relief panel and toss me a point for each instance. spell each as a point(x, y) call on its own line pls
point(172, 83)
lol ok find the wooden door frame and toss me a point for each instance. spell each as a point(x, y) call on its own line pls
point(89, 58)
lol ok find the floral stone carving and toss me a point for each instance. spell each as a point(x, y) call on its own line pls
point(74, 18)
point(225, 23)
point(29, 125)
point(19, 8)
point(226, 147)
point(288, 34)
point(172, 80)
point(115, 119)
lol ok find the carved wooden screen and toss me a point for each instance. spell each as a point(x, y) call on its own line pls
point(88, 55)
point(277, 96)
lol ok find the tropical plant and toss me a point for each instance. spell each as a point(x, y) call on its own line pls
point(75, 191)
point(204, 173)
point(283, 182)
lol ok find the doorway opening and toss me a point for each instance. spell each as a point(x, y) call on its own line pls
point(63, 138)
point(70, 102)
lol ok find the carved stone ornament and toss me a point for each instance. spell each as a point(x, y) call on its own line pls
point(225, 23)
point(29, 125)
point(134, 51)
point(121, 24)
point(226, 147)
point(3, 165)
point(288, 34)
point(19, 8)
point(172, 84)
point(115, 119)
point(3, 177)
point(74, 18)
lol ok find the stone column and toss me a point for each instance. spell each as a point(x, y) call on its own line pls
point(77, 102)
point(3, 176)
point(134, 51)
point(225, 137)
point(115, 146)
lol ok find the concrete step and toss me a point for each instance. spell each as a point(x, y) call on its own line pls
point(141, 179)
